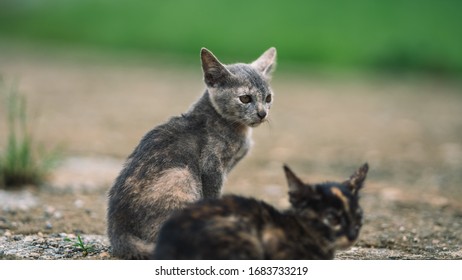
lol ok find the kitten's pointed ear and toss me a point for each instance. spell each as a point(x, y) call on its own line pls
point(356, 181)
point(266, 63)
point(295, 184)
point(214, 71)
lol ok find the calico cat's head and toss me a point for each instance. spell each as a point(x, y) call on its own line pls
point(335, 204)
point(240, 92)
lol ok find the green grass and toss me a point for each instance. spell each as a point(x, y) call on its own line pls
point(393, 36)
point(22, 162)
point(85, 248)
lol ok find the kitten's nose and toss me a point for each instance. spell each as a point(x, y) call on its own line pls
point(262, 114)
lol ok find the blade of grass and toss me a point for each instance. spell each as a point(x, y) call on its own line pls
point(22, 161)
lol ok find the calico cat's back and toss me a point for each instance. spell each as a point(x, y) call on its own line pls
point(323, 218)
point(206, 230)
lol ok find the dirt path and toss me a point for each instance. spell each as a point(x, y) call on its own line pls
point(409, 131)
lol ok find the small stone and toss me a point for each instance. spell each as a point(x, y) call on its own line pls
point(48, 225)
point(29, 238)
point(4, 224)
point(53, 244)
point(34, 255)
point(49, 210)
point(79, 203)
point(58, 215)
point(104, 255)
point(41, 240)
point(404, 238)
point(435, 241)
point(7, 233)
point(63, 234)
point(40, 234)
point(401, 228)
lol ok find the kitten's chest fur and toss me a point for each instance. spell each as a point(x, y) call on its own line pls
point(228, 147)
point(225, 142)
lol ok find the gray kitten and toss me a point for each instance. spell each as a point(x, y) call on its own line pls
point(188, 157)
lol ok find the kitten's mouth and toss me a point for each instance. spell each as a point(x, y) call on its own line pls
point(344, 243)
point(257, 123)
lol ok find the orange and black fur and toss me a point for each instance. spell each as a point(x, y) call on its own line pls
point(322, 218)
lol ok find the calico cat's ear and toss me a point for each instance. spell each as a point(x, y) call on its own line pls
point(214, 71)
point(356, 181)
point(295, 184)
point(298, 191)
point(266, 63)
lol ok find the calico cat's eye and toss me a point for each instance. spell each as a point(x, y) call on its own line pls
point(332, 219)
point(245, 99)
point(268, 98)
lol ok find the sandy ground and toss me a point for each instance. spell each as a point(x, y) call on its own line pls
point(409, 131)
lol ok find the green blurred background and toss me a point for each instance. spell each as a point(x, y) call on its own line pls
point(393, 36)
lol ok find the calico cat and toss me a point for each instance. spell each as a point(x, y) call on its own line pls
point(322, 218)
point(188, 157)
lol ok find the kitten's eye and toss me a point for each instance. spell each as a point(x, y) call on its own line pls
point(268, 99)
point(245, 99)
point(332, 219)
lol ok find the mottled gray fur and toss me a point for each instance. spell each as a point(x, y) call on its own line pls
point(188, 157)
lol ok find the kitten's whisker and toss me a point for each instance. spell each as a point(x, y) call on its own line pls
point(268, 122)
